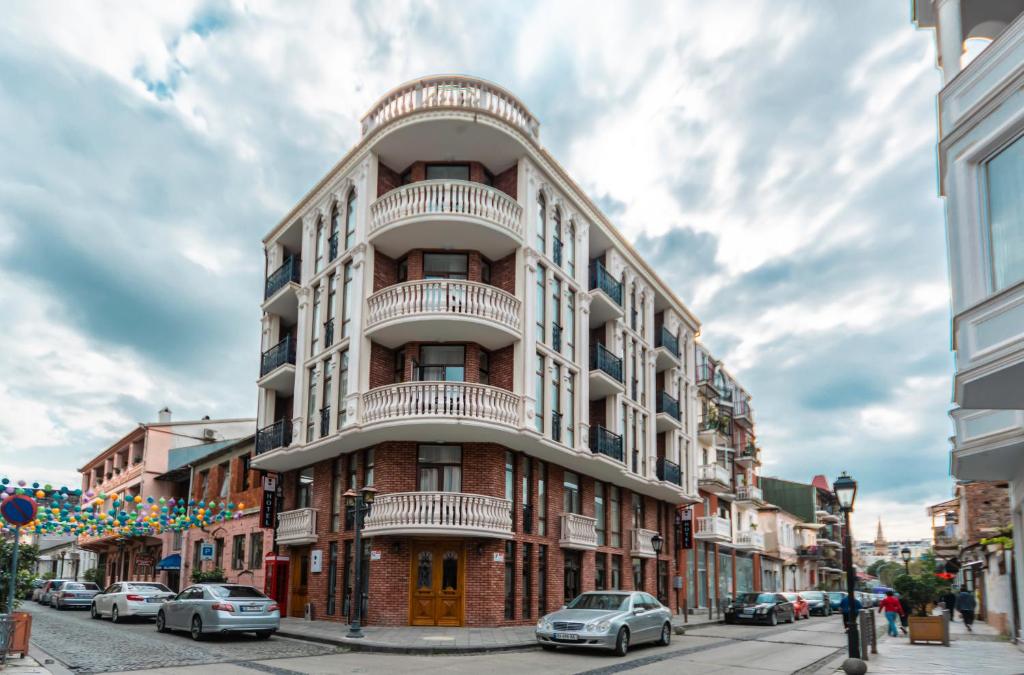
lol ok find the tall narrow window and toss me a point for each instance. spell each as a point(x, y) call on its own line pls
point(542, 216)
point(542, 499)
point(638, 511)
point(599, 515)
point(638, 574)
point(526, 479)
point(632, 306)
point(315, 333)
point(368, 466)
point(342, 386)
point(332, 297)
point(1004, 176)
point(527, 579)
point(615, 514)
point(540, 333)
point(510, 580)
point(332, 577)
point(569, 332)
point(325, 410)
point(350, 220)
point(510, 479)
point(556, 236)
point(570, 410)
point(538, 390)
point(335, 230)
point(600, 573)
point(542, 579)
point(350, 483)
point(571, 493)
point(485, 367)
point(346, 580)
point(346, 300)
point(320, 241)
point(304, 488)
point(556, 314)
point(337, 489)
point(238, 552)
point(570, 249)
point(556, 403)
point(311, 403)
point(440, 468)
point(256, 550)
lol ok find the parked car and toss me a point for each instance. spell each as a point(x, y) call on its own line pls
point(220, 608)
point(74, 594)
point(769, 608)
point(606, 620)
point(130, 598)
point(836, 597)
point(801, 610)
point(51, 587)
point(37, 589)
point(818, 603)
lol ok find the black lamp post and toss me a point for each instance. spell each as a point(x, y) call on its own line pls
point(360, 503)
point(656, 543)
point(845, 489)
point(905, 554)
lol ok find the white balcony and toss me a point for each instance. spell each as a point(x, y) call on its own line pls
point(749, 493)
point(416, 402)
point(440, 513)
point(298, 527)
point(715, 478)
point(641, 544)
point(714, 528)
point(577, 532)
point(443, 311)
point(750, 540)
point(419, 215)
point(989, 444)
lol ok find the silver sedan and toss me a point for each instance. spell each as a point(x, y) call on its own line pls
point(220, 608)
point(607, 620)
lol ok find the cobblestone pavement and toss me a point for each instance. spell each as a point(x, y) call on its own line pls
point(89, 646)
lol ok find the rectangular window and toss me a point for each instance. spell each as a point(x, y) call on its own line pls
point(485, 270)
point(342, 386)
point(1004, 174)
point(542, 218)
point(332, 577)
point(176, 538)
point(571, 493)
point(350, 220)
point(439, 468)
point(599, 514)
point(304, 488)
point(542, 579)
point(447, 171)
point(442, 363)
point(540, 333)
point(663, 581)
point(542, 497)
point(638, 511)
point(350, 482)
point(256, 550)
point(570, 249)
point(485, 367)
point(616, 572)
point(311, 403)
point(332, 298)
point(556, 314)
point(615, 515)
point(196, 552)
point(638, 574)
point(403, 270)
point(570, 410)
point(538, 389)
point(346, 300)
point(510, 480)
point(526, 479)
point(321, 237)
point(445, 266)
point(204, 482)
point(315, 333)
point(399, 374)
point(225, 481)
point(527, 579)
point(346, 580)
point(368, 466)
point(510, 580)
point(600, 571)
point(569, 334)
point(238, 552)
point(556, 403)
point(337, 489)
point(218, 552)
point(325, 410)
point(244, 467)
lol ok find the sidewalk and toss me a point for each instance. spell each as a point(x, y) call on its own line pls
point(430, 640)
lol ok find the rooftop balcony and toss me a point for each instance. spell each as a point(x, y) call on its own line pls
point(749, 493)
point(641, 546)
point(714, 528)
point(277, 366)
point(669, 471)
point(750, 540)
point(296, 528)
point(667, 350)
point(669, 417)
point(279, 291)
point(605, 372)
point(715, 478)
point(605, 295)
point(439, 513)
point(443, 311)
point(577, 532)
point(427, 213)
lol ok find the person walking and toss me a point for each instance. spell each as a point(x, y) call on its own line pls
point(966, 603)
point(892, 609)
point(844, 607)
point(948, 600)
point(905, 616)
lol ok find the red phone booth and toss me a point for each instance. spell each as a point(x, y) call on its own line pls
point(275, 583)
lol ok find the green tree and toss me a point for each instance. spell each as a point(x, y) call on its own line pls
point(920, 590)
point(888, 572)
point(27, 556)
point(215, 575)
point(92, 574)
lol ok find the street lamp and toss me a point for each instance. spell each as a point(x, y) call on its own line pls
point(845, 489)
point(360, 503)
point(905, 554)
point(656, 543)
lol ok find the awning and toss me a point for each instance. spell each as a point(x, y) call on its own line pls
point(171, 562)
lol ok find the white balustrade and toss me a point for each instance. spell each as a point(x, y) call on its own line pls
point(296, 527)
point(439, 513)
point(417, 400)
point(578, 531)
point(450, 92)
point(461, 298)
point(452, 197)
point(642, 545)
point(750, 539)
point(749, 493)
point(713, 527)
point(714, 472)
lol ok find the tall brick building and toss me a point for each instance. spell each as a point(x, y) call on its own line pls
point(449, 318)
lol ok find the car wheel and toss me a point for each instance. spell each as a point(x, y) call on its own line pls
point(264, 634)
point(773, 619)
point(622, 642)
point(161, 623)
point(666, 635)
point(60, 608)
point(115, 616)
point(197, 629)
point(92, 611)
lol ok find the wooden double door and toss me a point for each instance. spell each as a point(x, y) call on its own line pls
point(437, 581)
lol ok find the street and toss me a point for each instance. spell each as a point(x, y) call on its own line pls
point(87, 646)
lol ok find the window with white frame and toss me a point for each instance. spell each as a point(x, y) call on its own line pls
point(542, 214)
point(1004, 175)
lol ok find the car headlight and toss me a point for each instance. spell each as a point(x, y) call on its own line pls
point(598, 626)
point(762, 610)
point(544, 624)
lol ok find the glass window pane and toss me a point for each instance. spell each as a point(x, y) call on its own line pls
point(440, 454)
point(447, 171)
point(1005, 173)
point(442, 355)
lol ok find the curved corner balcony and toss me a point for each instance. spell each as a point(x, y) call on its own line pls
point(429, 213)
point(443, 311)
point(439, 513)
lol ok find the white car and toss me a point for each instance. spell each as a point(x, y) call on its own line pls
point(130, 598)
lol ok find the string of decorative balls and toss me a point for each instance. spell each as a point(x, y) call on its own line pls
point(68, 511)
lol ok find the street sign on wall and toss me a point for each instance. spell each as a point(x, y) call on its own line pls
point(686, 529)
point(206, 551)
point(268, 504)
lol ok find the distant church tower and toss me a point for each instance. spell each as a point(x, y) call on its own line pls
point(881, 545)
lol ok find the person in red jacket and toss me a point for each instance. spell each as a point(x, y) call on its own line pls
point(892, 608)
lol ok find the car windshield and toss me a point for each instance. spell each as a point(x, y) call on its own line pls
point(792, 597)
point(606, 601)
point(236, 592)
point(149, 587)
point(81, 587)
point(814, 595)
point(56, 584)
point(755, 598)
point(836, 595)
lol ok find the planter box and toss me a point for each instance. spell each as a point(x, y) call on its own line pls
point(929, 629)
point(21, 634)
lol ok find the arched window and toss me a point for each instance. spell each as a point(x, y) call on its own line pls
point(556, 237)
point(542, 216)
point(320, 236)
point(632, 306)
point(335, 228)
point(570, 252)
point(350, 219)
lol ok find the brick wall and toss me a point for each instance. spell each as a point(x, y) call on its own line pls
point(382, 365)
point(385, 271)
point(503, 273)
point(387, 179)
point(988, 508)
point(507, 181)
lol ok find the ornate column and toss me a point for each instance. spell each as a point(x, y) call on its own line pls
point(358, 346)
point(950, 37)
point(583, 361)
point(299, 405)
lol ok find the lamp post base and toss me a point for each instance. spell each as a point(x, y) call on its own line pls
point(355, 631)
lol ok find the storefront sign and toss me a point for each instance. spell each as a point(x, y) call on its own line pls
point(268, 504)
point(686, 529)
point(144, 561)
point(374, 554)
point(206, 551)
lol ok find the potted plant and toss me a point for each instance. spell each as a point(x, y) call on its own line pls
point(920, 590)
point(27, 556)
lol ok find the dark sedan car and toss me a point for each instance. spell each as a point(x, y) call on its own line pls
point(769, 608)
point(818, 603)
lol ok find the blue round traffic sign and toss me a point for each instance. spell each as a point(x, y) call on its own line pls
point(18, 510)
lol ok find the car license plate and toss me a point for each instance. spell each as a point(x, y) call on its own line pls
point(566, 636)
point(748, 612)
point(251, 608)
point(154, 599)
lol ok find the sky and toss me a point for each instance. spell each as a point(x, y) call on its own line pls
point(774, 160)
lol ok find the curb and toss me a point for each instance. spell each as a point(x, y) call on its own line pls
point(357, 645)
point(50, 663)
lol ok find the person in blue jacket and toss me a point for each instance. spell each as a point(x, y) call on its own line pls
point(844, 607)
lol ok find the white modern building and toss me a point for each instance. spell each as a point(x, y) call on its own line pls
point(981, 175)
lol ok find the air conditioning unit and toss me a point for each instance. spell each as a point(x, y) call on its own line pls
point(209, 435)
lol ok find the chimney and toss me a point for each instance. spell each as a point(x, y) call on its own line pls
point(164, 415)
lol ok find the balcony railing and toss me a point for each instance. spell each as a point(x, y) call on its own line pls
point(289, 271)
point(556, 426)
point(667, 340)
point(603, 359)
point(749, 493)
point(705, 374)
point(556, 251)
point(713, 527)
point(451, 92)
point(556, 337)
point(448, 298)
point(577, 531)
point(714, 473)
point(812, 552)
point(641, 543)
point(669, 471)
point(605, 442)
point(276, 435)
point(448, 513)
point(332, 247)
point(720, 423)
point(750, 539)
point(668, 405)
point(296, 527)
point(601, 279)
point(432, 198)
point(328, 333)
point(325, 420)
point(413, 400)
point(278, 355)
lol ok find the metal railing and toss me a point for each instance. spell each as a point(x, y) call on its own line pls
point(289, 271)
point(328, 333)
point(332, 247)
point(278, 355)
point(556, 426)
point(276, 435)
point(601, 358)
point(601, 279)
point(667, 340)
point(669, 471)
point(556, 337)
point(668, 405)
point(605, 442)
point(325, 420)
point(556, 251)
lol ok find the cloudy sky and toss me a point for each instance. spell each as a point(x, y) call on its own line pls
point(775, 161)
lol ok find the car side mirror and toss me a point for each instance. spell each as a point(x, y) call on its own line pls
point(639, 610)
point(564, 606)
